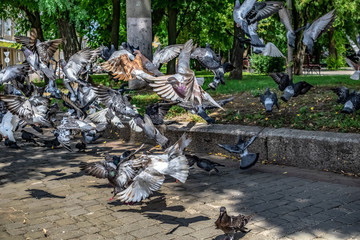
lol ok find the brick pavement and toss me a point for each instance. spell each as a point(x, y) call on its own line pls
point(44, 190)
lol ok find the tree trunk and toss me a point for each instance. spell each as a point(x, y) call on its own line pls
point(237, 54)
point(299, 53)
point(115, 24)
point(172, 13)
point(290, 58)
point(139, 26)
point(35, 21)
point(332, 43)
point(67, 30)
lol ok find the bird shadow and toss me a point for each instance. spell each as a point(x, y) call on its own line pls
point(179, 221)
point(237, 236)
point(70, 176)
point(39, 194)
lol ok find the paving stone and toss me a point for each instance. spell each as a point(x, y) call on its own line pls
point(285, 207)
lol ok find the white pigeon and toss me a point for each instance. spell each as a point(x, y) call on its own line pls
point(8, 125)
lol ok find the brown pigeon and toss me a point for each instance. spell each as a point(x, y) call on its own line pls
point(232, 224)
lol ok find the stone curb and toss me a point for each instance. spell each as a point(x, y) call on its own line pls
point(330, 151)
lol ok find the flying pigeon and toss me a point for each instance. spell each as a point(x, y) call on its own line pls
point(354, 66)
point(166, 54)
point(203, 163)
point(12, 72)
point(247, 159)
point(232, 224)
point(286, 20)
point(312, 32)
point(269, 99)
point(152, 171)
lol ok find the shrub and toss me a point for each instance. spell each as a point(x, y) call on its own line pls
point(333, 63)
point(265, 64)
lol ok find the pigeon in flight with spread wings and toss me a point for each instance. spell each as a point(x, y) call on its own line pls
point(286, 20)
point(356, 67)
point(312, 32)
point(12, 72)
point(166, 54)
point(355, 46)
point(152, 171)
point(181, 86)
point(247, 159)
point(32, 110)
point(251, 12)
point(45, 50)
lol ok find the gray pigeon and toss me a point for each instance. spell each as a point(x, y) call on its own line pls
point(312, 32)
point(12, 72)
point(247, 159)
point(343, 94)
point(269, 99)
point(352, 103)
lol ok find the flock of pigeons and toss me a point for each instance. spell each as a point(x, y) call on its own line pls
point(92, 108)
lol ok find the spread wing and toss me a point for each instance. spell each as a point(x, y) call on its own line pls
point(142, 186)
point(28, 42)
point(97, 169)
point(114, 66)
point(245, 8)
point(164, 89)
point(78, 61)
point(105, 95)
point(272, 51)
point(320, 25)
point(285, 19)
point(125, 172)
point(184, 58)
point(352, 64)
point(207, 60)
point(166, 54)
point(18, 105)
point(47, 49)
point(262, 10)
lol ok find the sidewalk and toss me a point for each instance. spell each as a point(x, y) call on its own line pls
point(44, 192)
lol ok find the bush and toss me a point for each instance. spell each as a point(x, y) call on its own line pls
point(334, 64)
point(265, 64)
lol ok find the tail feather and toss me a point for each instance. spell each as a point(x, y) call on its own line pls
point(179, 168)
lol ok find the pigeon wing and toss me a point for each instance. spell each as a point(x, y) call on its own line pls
point(262, 10)
point(142, 186)
point(166, 54)
point(320, 25)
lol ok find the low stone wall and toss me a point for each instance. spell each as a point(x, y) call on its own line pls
point(305, 149)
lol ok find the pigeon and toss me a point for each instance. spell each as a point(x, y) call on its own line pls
point(290, 89)
point(12, 72)
point(251, 12)
point(45, 50)
point(286, 20)
point(355, 46)
point(8, 125)
point(105, 52)
point(203, 163)
point(352, 103)
point(157, 111)
point(28, 137)
point(33, 59)
point(269, 99)
point(152, 171)
point(166, 54)
point(355, 67)
point(77, 63)
point(118, 171)
point(117, 102)
point(81, 146)
point(106, 116)
point(148, 65)
point(182, 86)
point(343, 94)
point(232, 224)
point(53, 143)
point(247, 159)
point(90, 136)
point(312, 32)
point(11, 144)
point(33, 110)
point(150, 130)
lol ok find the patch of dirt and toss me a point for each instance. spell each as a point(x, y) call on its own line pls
point(316, 110)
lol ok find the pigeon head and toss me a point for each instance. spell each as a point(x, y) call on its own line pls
point(222, 210)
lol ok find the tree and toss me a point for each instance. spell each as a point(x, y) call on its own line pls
point(115, 26)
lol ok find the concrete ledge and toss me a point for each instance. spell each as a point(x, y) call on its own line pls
point(305, 149)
